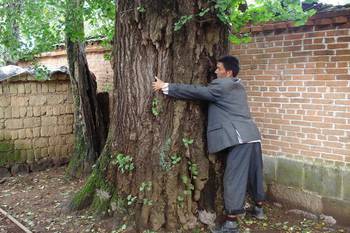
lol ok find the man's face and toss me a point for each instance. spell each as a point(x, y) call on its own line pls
point(221, 72)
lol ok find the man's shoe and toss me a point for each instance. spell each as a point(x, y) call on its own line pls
point(258, 213)
point(226, 227)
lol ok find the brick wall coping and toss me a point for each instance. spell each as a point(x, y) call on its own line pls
point(91, 47)
point(333, 17)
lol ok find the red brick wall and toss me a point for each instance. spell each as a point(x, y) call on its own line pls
point(298, 84)
point(95, 57)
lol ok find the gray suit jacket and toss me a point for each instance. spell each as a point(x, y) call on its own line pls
point(229, 120)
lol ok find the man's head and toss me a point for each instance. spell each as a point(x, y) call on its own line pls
point(227, 66)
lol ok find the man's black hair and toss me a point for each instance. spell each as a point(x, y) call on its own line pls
point(230, 63)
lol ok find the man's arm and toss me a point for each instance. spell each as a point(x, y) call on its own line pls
point(195, 92)
point(189, 92)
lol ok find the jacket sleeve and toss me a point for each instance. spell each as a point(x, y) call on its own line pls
point(195, 92)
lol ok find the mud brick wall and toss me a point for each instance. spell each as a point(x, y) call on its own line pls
point(298, 83)
point(95, 53)
point(36, 121)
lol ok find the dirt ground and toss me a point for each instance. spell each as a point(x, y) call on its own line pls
point(6, 225)
point(38, 201)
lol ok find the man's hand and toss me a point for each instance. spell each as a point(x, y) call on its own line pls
point(158, 84)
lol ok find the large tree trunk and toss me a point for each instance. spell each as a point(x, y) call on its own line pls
point(89, 128)
point(149, 127)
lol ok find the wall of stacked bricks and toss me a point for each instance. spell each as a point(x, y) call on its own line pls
point(101, 67)
point(298, 83)
point(36, 119)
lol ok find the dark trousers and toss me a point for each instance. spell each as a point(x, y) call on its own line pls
point(244, 169)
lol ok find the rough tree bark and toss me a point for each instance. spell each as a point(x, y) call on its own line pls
point(89, 127)
point(171, 180)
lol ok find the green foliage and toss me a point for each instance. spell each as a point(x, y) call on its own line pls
point(124, 162)
point(223, 8)
point(74, 20)
point(130, 199)
point(262, 11)
point(107, 87)
point(175, 159)
point(236, 14)
point(107, 56)
point(149, 231)
point(99, 20)
point(41, 72)
point(180, 200)
point(155, 107)
point(141, 9)
point(31, 27)
point(187, 142)
point(147, 202)
point(193, 168)
point(188, 185)
point(245, 38)
point(166, 163)
point(185, 179)
point(182, 21)
point(163, 156)
point(145, 186)
point(203, 12)
point(185, 18)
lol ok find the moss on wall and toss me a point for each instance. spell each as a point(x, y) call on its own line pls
point(8, 155)
point(13, 153)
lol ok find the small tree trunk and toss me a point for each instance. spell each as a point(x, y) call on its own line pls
point(172, 179)
point(14, 8)
point(89, 128)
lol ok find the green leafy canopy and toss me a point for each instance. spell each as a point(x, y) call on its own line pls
point(30, 27)
point(238, 13)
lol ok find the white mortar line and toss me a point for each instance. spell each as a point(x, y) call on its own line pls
point(15, 221)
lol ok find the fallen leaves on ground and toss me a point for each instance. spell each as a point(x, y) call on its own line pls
point(38, 200)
